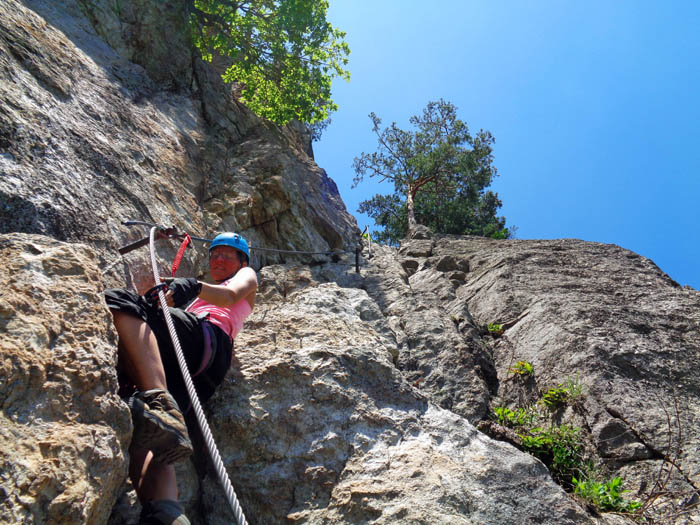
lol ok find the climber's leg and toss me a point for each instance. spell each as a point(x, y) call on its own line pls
point(152, 480)
point(158, 422)
point(140, 353)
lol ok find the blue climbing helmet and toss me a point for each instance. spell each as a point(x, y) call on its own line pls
point(233, 240)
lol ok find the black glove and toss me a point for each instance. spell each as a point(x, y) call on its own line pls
point(152, 294)
point(184, 290)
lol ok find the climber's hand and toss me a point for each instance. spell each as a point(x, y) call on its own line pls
point(181, 291)
point(152, 294)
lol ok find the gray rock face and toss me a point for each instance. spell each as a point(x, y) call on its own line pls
point(63, 431)
point(89, 137)
point(319, 411)
point(604, 313)
point(596, 315)
point(441, 349)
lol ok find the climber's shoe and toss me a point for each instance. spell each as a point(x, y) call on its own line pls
point(159, 426)
point(163, 512)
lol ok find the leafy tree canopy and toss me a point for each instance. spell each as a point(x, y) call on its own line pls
point(284, 53)
point(440, 174)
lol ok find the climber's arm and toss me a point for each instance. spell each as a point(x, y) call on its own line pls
point(243, 285)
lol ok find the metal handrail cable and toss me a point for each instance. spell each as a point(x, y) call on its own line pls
point(252, 248)
point(329, 252)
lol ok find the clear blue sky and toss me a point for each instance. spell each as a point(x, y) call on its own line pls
point(595, 108)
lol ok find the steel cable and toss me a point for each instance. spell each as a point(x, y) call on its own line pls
point(201, 419)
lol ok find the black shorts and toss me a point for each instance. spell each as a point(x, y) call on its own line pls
point(208, 355)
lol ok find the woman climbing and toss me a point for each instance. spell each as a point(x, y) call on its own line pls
point(206, 329)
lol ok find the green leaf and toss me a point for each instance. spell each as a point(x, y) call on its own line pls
point(438, 165)
point(283, 53)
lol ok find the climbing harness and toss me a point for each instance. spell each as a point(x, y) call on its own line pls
point(201, 419)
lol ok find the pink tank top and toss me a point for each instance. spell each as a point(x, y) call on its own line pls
point(229, 318)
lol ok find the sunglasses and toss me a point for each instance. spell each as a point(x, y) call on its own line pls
point(232, 257)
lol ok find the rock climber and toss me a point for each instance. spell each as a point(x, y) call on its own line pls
point(206, 328)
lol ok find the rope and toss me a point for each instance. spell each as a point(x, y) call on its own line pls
point(213, 452)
